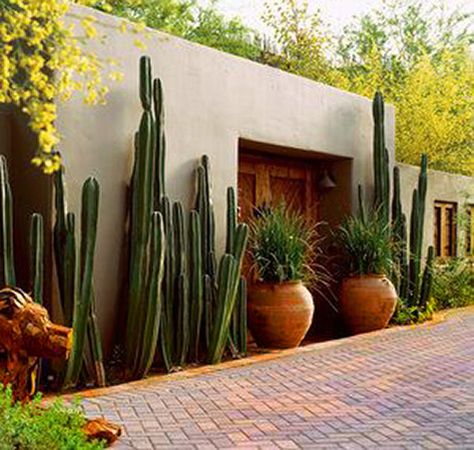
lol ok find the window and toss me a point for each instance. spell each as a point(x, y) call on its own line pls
point(470, 231)
point(445, 238)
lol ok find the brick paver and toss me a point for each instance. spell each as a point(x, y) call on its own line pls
point(404, 388)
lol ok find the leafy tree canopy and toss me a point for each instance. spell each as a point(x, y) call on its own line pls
point(188, 19)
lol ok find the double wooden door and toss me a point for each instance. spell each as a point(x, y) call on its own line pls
point(269, 181)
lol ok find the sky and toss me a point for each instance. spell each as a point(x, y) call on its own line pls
point(336, 13)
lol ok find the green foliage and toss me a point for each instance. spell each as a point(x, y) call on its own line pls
point(407, 315)
point(366, 244)
point(282, 245)
point(299, 43)
point(191, 20)
point(453, 283)
point(31, 426)
point(419, 56)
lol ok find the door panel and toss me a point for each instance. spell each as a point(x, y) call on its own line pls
point(266, 180)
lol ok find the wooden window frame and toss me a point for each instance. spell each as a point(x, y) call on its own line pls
point(470, 231)
point(445, 233)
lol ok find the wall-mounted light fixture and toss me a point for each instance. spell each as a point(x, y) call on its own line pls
point(327, 182)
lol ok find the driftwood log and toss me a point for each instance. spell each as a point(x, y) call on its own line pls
point(27, 334)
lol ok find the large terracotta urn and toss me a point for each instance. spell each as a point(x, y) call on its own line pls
point(367, 302)
point(279, 314)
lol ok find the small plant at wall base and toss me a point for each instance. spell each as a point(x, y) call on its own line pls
point(32, 426)
point(280, 307)
point(453, 283)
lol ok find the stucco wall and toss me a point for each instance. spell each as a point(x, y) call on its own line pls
point(211, 99)
point(442, 186)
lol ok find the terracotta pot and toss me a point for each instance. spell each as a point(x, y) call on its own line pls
point(279, 314)
point(367, 302)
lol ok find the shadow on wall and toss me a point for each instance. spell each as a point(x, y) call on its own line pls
point(32, 192)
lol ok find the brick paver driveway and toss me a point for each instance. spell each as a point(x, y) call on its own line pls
point(403, 388)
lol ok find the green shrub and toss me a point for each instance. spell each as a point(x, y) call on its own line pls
point(366, 244)
point(31, 426)
point(283, 245)
point(453, 283)
point(407, 315)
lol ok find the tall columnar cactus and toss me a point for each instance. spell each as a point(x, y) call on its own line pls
point(417, 223)
point(141, 211)
point(380, 159)
point(228, 285)
point(427, 280)
point(181, 285)
point(196, 280)
point(36, 257)
point(75, 278)
point(83, 304)
point(410, 283)
point(6, 215)
point(152, 309)
point(167, 317)
point(160, 143)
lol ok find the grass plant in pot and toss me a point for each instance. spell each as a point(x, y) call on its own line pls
point(368, 298)
point(280, 307)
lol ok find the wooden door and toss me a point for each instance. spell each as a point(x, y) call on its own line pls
point(269, 181)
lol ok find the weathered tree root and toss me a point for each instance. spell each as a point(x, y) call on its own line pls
point(102, 429)
point(27, 334)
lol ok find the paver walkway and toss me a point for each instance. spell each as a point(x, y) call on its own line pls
point(404, 388)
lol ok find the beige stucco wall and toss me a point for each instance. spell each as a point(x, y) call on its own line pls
point(211, 99)
point(442, 186)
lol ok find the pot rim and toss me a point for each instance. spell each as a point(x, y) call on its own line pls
point(365, 275)
point(276, 283)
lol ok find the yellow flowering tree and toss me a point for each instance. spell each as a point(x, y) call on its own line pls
point(42, 62)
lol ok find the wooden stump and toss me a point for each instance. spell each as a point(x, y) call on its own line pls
point(27, 334)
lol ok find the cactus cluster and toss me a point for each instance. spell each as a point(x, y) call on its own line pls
point(413, 282)
point(75, 279)
point(200, 300)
